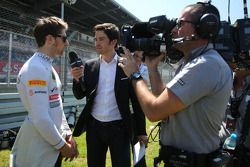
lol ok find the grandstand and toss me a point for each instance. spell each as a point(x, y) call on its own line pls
point(20, 15)
point(17, 18)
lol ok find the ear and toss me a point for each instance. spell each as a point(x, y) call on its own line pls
point(114, 42)
point(194, 30)
point(49, 39)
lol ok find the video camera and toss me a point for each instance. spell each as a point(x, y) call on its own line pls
point(233, 42)
point(152, 37)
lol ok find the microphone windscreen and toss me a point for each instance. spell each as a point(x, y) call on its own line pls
point(72, 56)
point(140, 30)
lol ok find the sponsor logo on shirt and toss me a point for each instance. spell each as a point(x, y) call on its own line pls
point(54, 104)
point(37, 83)
point(54, 96)
point(52, 90)
point(31, 92)
point(40, 91)
point(181, 82)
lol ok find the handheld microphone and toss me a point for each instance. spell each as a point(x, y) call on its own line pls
point(74, 60)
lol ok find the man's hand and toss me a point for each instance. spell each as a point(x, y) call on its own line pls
point(71, 140)
point(152, 62)
point(77, 72)
point(127, 62)
point(69, 151)
point(138, 56)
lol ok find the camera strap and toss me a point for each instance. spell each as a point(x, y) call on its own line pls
point(151, 136)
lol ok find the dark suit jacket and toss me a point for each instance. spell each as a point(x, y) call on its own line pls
point(124, 93)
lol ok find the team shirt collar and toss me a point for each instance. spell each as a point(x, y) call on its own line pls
point(45, 57)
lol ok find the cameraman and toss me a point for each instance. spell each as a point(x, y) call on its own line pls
point(192, 105)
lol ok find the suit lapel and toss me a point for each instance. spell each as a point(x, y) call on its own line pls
point(95, 72)
point(117, 78)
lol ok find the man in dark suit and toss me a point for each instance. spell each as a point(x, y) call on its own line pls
point(107, 117)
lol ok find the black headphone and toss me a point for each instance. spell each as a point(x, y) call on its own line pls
point(209, 23)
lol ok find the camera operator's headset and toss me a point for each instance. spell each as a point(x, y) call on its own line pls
point(209, 23)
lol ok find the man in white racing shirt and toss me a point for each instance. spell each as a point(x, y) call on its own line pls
point(45, 134)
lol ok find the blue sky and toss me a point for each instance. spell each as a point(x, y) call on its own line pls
point(144, 9)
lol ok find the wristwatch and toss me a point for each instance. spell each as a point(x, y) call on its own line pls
point(135, 75)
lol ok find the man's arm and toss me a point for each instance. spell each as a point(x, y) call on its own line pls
point(77, 89)
point(155, 108)
point(78, 82)
point(157, 85)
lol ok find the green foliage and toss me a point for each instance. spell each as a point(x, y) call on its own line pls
point(152, 151)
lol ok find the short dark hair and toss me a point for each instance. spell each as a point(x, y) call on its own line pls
point(48, 25)
point(111, 30)
point(199, 9)
point(206, 19)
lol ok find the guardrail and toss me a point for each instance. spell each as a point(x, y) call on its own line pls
point(12, 115)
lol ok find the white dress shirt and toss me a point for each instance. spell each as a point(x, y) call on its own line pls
point(105, 107)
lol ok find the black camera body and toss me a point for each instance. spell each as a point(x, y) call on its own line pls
point(233, 42)
point(145, 36)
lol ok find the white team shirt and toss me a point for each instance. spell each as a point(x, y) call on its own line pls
point(39, 87)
